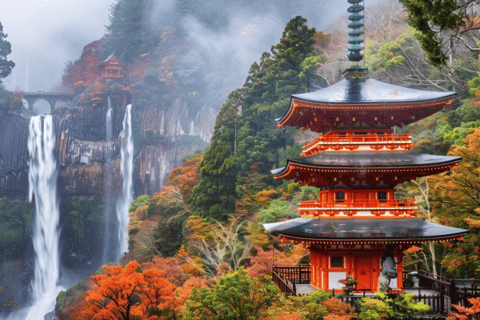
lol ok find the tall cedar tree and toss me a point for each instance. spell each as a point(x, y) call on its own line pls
point(6, 66)
point(245, 134)
point(130, 32)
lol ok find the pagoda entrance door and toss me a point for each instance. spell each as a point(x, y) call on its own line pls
point(364, 272)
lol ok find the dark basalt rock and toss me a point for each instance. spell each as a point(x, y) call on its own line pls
point(14, 155)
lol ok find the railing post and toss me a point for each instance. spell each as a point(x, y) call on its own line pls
point(453, 292)
point(442, 299)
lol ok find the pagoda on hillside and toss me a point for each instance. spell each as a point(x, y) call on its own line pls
point(112, 68)
point(356, 225)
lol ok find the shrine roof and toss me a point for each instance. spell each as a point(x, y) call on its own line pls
point(109, 57)
point(366, 91)
point(370, 160)
point(363, 229)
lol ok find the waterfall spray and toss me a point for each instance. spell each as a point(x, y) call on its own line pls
point(42, 178)
point(126, 166)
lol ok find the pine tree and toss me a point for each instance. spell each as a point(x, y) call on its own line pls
point(6, 66)
point(246, 138)
point(130, 32)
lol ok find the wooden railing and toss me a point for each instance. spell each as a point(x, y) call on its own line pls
point(372, 139)
point(294, 274)
point(354, 138)
point(377, 208)
point(313, 204)
point(286, 287)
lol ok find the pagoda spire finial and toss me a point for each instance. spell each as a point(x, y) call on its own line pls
point(356, 26)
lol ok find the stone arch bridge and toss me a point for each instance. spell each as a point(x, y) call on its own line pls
point(51, 97)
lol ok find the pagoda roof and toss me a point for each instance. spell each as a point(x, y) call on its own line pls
point(413, 230)
point(362, 101)
point(109, 57)
point(369, 160)
point(330, 169)
point(366, 91)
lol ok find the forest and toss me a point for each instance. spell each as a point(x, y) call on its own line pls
point(197, 248)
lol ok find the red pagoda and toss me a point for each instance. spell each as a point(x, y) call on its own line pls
point(112, 68)
point(357, 160)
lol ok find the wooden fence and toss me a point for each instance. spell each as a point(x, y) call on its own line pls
point(285, 286)
point(296, 274)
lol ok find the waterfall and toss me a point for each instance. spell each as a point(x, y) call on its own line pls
point(42, 178)
point(126, 166)
point(108, 252)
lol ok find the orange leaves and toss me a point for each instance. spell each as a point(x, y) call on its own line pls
point(126, 293)
point(413, 249)
point(468, 312)
point(171, 266)
point(333, 316)
point(455, 263)
point(199, 229)
point(455, 193)
point(85, 70)
point(185, 177)
point(340, 308)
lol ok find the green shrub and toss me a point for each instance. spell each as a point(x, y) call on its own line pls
point(402, 306)
point(374, 309)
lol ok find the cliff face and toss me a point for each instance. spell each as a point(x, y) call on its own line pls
point(14, 155)
point(90, 177)
point(83, 150)
point(183, 132)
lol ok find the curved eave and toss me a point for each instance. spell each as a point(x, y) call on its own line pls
point(363, 93)
point(362, 163)
point(295, 104)
point(363, 230)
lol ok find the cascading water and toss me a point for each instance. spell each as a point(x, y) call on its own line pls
point(42, 178)
point(126, 166)
point(108, 252)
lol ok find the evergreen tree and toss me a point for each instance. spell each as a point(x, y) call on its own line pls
point(6, 66)
point(130, 32)
point(431, 17)
point(246, 138)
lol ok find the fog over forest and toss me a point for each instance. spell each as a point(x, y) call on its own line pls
point(225, 37)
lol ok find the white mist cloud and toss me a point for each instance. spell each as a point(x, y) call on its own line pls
point(47, 33)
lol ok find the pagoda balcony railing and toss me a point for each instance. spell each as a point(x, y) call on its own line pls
point(371, 139)
point(315, 207)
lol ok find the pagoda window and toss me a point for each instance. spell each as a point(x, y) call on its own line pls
point(382, 196)
point(340, 196)
point(336, 262)
point(381, 133)
point(360, 133)
point(342, 133)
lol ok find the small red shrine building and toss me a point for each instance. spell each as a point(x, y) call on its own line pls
point(112, 68)
point(357, 161)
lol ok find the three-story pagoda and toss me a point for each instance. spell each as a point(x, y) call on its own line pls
point(356, 161)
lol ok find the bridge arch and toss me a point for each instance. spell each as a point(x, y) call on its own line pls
point(51, 98)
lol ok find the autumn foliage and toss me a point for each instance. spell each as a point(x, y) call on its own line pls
point(127, 293)
point(135, 293)
point(86, 68)
point(464, 313)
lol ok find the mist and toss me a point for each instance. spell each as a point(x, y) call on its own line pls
point(225, 37)
point(45, 34)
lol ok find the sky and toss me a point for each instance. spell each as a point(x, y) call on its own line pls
point(45, 34)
